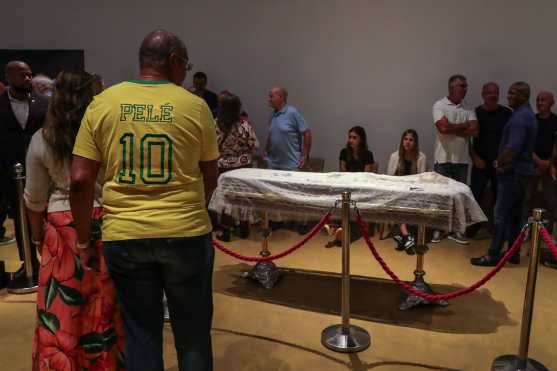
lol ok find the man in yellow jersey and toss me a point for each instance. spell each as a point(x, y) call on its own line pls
point(156, 143)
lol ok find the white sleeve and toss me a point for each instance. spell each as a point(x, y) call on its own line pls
point(472, 114)
point(393, 163)
point(37, 179)
point(421, 163)
point(437, 112)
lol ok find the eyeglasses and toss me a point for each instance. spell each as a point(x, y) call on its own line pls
point(188, 66)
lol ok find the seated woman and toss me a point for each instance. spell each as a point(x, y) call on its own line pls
point(79, 324)
point(237, 143)
point(355, 157)
point(407, 160)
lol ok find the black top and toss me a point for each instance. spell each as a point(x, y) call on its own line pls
point(14, 140)
point(545, 139)
point(356, 165)
point(212, 100)
point(407, 167)
point(491, 123)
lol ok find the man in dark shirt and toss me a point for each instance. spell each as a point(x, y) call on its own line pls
point(199, 88)
point(492, 118)
point(541, 190)
point(515, 167)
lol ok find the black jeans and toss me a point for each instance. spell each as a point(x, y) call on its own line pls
point(183, 269)
point(508, 209)
point(480, 179)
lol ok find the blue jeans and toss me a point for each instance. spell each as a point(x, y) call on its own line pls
point(458, 172)
point(511, 189)
point(183, 269)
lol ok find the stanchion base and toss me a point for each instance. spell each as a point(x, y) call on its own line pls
point(345, 340)
point(23, 285)
point(412, 301)
point(266, 273)
point(509, 362)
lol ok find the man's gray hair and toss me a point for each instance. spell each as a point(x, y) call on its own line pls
point(157, 47)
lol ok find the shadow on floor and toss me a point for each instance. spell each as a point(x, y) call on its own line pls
point(247, 355)
point(372, 299)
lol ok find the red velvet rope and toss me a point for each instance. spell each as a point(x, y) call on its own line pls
point(549, 242)
point(439, 297)
point(299, 244)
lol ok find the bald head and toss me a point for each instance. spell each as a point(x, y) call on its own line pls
point(278, 97)
point(544, 102)
point(158, 46)
point(19, 75)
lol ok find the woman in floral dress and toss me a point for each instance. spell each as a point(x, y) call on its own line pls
point(79, 326)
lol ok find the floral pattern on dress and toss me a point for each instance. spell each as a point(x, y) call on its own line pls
point(237, 147)
point(79, 324)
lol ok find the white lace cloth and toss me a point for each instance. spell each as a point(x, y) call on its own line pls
point(428, 199)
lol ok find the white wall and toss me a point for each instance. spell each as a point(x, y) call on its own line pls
point(381, 63)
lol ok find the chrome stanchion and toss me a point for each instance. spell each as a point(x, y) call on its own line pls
point(24, 284)
point(521, 362)
point(265, 272)
point(419, 282)
point(345, 338)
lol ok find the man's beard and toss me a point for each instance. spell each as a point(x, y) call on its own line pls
point(21, 90)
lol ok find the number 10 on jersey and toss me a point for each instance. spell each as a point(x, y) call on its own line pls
point(154, 153)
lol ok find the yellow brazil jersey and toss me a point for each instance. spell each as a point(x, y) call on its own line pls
point(149, 137)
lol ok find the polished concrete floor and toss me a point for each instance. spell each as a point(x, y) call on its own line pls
point(280, 329)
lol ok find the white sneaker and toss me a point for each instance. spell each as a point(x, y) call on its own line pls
point(436, 237)
point(459, 238)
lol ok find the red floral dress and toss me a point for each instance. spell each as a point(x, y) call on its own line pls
point(79, 324)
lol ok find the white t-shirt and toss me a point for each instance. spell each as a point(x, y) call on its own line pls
point(451, 148)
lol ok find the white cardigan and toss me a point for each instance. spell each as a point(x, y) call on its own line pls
point(393, 163)
point(48, 182)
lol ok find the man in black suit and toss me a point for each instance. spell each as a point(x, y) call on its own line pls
point(22, 113)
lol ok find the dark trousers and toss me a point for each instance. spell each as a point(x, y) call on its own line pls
point(511, 190)
point(182, 268)
point(458, 172)
point(9, 191)
point(541, 192)
point(480, 179)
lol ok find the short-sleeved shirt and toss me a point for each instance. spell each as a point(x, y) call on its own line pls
point(451, 148)
point(519, 135)
point(286, 130)
point(150, 138)
point(491, 123)
point(547, 131)
point(354, 165)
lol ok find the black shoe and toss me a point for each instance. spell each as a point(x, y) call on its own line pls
point(484, 261)
point(303, 229)
point(334, 243)
point(243, 231)
point(224, 235)
point(21, 271)
point(515, 259)
point(409, 245)
point(399, 239)
point(275, 225)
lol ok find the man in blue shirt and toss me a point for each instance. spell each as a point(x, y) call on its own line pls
point(515, 168)
point(289, 140)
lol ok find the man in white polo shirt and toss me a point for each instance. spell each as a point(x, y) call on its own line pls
point(455, 123)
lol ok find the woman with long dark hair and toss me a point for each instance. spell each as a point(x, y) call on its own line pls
point(407, 160)
point(355, 157)
point(79, 325)
point(237, 144)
